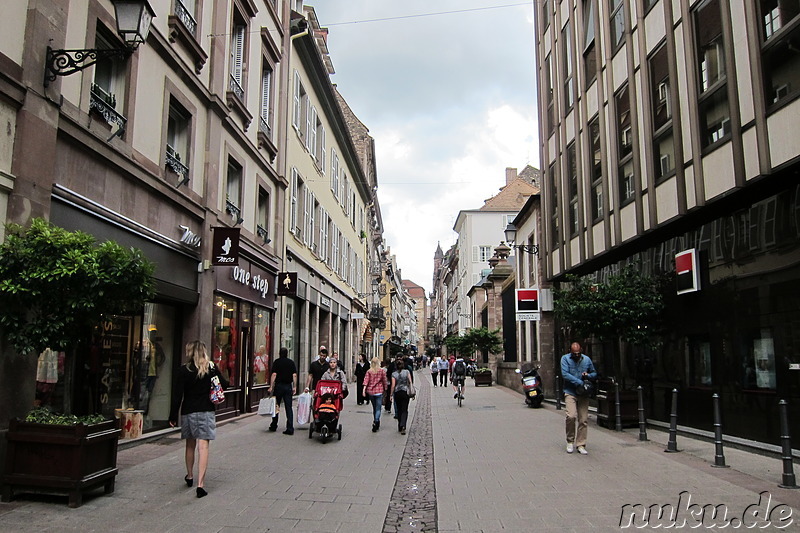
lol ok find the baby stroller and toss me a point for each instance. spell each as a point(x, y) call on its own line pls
point(326, 414)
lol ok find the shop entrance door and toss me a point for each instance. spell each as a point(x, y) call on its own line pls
point(244, 369)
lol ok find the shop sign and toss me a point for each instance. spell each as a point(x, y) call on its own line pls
point(189, 238)
point(225, 248)
point(687, 271)
point(287, 284)
point(257, 283)
point(324, 301)
point(528, 304)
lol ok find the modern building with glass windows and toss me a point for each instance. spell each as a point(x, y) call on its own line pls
point(669, 127)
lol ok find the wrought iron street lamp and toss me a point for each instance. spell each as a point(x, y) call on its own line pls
point(511, 237)
point(133, 26)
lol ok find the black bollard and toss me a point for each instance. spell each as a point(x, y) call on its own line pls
point(672, 444)
point(617, 414)
point(642, 422)
point(558, 393)
point(719, 455)
point(788, 481)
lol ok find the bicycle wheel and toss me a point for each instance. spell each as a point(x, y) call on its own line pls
point(460, 396)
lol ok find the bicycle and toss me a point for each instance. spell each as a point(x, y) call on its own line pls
point(460, 389)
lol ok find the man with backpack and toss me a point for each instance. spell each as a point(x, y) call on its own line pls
point(458, 375)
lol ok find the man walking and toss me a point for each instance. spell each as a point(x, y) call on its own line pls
point(574, 367)
point(444, 366)
point(317, 368)
point(282, 385)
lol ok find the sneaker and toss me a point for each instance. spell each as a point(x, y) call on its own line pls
point(455, 396)
point(462, 396)
point(582, 450)
point(570, 447)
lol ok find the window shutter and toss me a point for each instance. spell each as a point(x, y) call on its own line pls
point(293, 208)
point(321, 142)
point(238, 53)
point(296, 114)
point(311, 139)
point(334, 173)
point(265, 81)
point(309, 111)
point(306, 216)
point(475, 252)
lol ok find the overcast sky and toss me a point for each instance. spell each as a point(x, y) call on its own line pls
point(446, 88)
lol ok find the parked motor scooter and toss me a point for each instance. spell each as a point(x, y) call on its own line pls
point(532, 386)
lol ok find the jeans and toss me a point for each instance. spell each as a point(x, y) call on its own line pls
point(401, 400)
point(377, 405)
point(283, 394)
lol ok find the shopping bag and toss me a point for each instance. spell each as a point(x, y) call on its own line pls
point(303, 408)
point(266, 407)
point(216, 394)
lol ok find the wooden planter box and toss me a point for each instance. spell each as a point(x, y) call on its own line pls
point(483, 378)
point(60, 459)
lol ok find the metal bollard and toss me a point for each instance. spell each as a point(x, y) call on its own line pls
point(617, 414)
point(642, 421)
point(719, 455)
point(672, 444)
point(558, 393)
point(788, 481)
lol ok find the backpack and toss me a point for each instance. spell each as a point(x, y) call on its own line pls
point(460, 369)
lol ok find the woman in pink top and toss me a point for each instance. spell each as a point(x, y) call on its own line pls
point(374, 386)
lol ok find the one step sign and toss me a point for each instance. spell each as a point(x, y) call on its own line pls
point(528, 304)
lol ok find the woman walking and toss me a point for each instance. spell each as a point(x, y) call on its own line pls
point(401, 381)
point(434, 369)
point(335, 373)
point(361, 369)
point(373, 388)
point(190, 396)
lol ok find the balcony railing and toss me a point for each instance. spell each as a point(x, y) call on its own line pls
point(182, 12)
point(261, 231)
point(233, 210)
point(264, 127)
point(235, 87)
point(103, 103)
point(173, 161)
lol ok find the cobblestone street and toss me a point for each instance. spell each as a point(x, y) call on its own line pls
point(491, 465)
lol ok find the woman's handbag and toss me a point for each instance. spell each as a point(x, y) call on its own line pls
point(266, 406)
point(412, 390)
point(216, 395)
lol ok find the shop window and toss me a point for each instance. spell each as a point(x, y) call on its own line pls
point(698, 361)
point(262, 340)
point(759, 360)
point(225, 344)
point(108, 73)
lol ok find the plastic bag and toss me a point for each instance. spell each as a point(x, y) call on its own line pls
point(303, 408)
point(266, 406)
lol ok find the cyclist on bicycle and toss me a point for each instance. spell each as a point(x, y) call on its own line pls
point(458, 374)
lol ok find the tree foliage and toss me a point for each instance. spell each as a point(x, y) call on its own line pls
point(54, 283)
point(628, 306)
point(475, 339)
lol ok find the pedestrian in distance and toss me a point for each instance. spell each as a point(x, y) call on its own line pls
point(362, 367)
point(434, 370)
point(317, 368)
point(374, 388)
point(190, 397)
point(401, 382)
point(282, 385)
point(444, 366)
point(576, 366)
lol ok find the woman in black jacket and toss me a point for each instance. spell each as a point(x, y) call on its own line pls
point(361, 370)
point(190, 395)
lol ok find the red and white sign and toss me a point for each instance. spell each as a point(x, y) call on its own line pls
point(528, 304)
point(687, 271)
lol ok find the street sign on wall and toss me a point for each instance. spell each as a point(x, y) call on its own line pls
point(528, 304)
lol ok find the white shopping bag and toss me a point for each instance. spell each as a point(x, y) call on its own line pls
point(303, 408)
point(266, 407)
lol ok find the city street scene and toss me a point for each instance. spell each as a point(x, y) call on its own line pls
point(349, 265)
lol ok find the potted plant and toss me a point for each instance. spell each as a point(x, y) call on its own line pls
point(483, 376)
point(60, 453)
point(56, 285)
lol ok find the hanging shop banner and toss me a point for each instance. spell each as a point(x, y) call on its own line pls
point(287, 284)
point(225, 248)
point(528, 304)
point(687, 271)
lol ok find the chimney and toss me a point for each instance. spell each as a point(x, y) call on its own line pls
point(511, 174)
